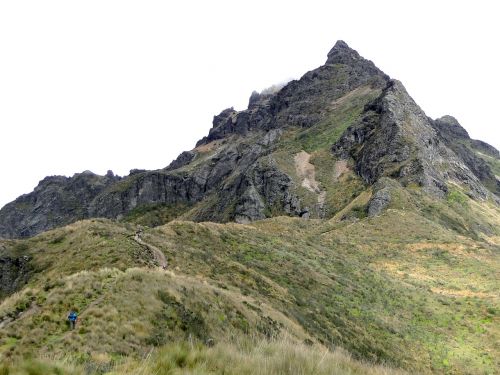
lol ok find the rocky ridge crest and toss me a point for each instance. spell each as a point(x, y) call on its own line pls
point(233, 173)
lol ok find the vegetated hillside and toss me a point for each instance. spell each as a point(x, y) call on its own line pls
point(363, 226)
point(275, 158)
point(371, 286)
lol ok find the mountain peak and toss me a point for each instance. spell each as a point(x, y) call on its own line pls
point(341, 53)
point(450, 125)
point(340, 44)
point(250, 164)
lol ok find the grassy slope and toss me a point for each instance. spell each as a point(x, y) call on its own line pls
point(371, 286)
point(242, 357)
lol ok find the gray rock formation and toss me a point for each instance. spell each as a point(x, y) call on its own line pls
point(231, 174)
point(382, 196)
point(469, 150)
point(183, 159)
point(14, 273)
point(57, 200)
point(395, 138)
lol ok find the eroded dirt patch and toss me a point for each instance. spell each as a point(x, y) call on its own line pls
point(307, 172)
point(209, 146)
point(340, 168)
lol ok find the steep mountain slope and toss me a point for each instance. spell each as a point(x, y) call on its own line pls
point(396, 139)
point(242, 170)
point(330, 215)
point(479, 156)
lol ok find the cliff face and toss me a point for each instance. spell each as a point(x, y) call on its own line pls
point(243, 170)
point(56, 201)
point(474, 153)
point(394, 138)
point(14, 271)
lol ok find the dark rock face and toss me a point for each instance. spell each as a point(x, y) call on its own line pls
point(456, 138)
point(183, 159)
point(262, 188)
point(485, 148)
point(56, 201)
point(396, 139)
point(14, 273)
point(341, 53)
point(255, 98)
point(144, 188)
point(381, 197)
point(301, 102)
point(232, 176)
point(449, 126)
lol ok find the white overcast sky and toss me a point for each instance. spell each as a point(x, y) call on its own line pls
point(98, 85)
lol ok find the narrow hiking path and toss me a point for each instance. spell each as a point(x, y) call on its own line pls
point(34, 309)
point(157, 253)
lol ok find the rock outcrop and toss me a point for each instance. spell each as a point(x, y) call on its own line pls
point(14, 273)
point(469, 150)
point(394, 138)
point(232, 174)
point(56, 201)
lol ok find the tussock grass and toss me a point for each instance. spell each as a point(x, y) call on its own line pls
point(247, 357)
point(40, 367)
point(240, 357)
point(369, 285)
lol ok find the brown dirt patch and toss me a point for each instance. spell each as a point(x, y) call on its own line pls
point(208, 147)
point(340, 168)
point(307, 172)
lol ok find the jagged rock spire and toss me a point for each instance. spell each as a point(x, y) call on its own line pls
point(341, 53)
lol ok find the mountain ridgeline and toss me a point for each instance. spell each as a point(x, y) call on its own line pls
point(331, 215)
point(288, 154)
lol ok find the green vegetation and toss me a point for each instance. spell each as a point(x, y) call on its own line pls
point(38, 367)
point(456, 196)
point(340, 114)
point(153, 215)
point(250, 357)
point(246, 356)
point(368, 285)
point(414, 288)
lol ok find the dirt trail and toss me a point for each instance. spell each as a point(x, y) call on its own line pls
point(307, 172)
point(157, 253)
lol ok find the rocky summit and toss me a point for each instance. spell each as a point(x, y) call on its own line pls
point(239, 171)
point(330, 227)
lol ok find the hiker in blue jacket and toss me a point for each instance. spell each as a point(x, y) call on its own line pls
point(72, 318)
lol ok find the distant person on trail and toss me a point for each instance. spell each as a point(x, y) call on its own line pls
point(72, 318)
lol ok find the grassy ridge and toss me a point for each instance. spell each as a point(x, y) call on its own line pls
point(371, 286)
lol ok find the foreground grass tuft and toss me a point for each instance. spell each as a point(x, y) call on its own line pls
point(241, 357)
